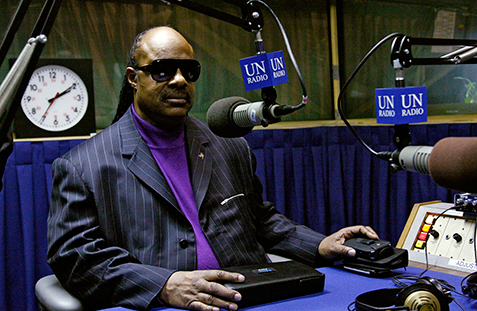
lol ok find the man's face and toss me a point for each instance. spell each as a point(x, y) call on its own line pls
point(162, 104)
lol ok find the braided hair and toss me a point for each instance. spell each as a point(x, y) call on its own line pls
point(126, 95)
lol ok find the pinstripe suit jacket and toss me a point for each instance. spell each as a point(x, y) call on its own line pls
point(116, 232)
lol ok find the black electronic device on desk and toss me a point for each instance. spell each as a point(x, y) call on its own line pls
point(270, 282)
point(375, 257)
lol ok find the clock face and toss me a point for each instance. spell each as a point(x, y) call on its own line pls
point(56, 98)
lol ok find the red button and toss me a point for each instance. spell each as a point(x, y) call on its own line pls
point(422, 236)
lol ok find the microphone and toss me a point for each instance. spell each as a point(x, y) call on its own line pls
point(451, 163)
point(236, 116)
point(413, 159)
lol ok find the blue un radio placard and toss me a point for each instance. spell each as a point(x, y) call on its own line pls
point(401, 105)
point(263, 70)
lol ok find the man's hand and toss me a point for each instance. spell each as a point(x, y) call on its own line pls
point(332, 246)
point(199, 290)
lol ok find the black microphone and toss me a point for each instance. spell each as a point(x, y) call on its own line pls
point(236, 116)
point(451, 163)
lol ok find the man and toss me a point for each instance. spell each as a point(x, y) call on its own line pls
point(147, 212)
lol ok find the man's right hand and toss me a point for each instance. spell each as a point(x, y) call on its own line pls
point(201, 290)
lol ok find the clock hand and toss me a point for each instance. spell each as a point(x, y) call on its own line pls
point(52, 100)
point(61, 94)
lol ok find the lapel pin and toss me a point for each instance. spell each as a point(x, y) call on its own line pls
point(201, 155)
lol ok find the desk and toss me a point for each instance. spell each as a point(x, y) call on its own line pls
point(342, 288)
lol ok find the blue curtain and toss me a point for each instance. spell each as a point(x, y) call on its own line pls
point(321, 177)
point(24, 203)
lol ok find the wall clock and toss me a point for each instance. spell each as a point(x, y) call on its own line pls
point(58, 100)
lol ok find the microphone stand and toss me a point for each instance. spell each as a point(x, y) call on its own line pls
point(19, 78)
point(13, 27)
point(13, 87)
point(402, 135)
point(251, 19)
point(16, 81)
point(14, 84)
point(402, 57)
point(402, 51)
point(269, 94)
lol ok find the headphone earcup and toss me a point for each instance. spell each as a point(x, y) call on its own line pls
point(470, 290)
point(379, 300)
point(417, 295)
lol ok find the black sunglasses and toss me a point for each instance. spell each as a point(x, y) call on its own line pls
point(162, 70)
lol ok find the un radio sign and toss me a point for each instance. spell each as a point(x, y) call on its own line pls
point(401, 105)
point(263, 70)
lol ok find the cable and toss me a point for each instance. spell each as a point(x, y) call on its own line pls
point(400, 279)
point(426, 253)
point(381, 155)
point(475, 236)
point(462, 284)
point(475, 260)
point(445, 286)
point(292, 57)
point(427, 237)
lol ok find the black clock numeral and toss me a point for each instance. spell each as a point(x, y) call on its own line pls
point(79, 98)
point(28, 98)
point(52, 74)
point(67, 118)
point(33, 87)
point(73, 86)
point(33, 110)
point(55, 122)
point(76, 109)
point(41, 79)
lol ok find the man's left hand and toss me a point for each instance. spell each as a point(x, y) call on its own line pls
point(332, 248)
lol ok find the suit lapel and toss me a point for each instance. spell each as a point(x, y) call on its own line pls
point(142, 164)
point(200, 160)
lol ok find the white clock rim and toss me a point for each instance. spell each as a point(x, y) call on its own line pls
point(79, 116)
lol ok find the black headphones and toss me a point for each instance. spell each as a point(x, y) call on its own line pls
point(470, 290)
point(426, 292)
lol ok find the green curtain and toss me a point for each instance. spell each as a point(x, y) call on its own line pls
point(104, 30)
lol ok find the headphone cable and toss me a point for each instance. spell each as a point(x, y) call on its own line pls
point(475, 259)
point(427, 238)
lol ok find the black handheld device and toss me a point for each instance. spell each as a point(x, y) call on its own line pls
point(370, 248)
point(374, 257)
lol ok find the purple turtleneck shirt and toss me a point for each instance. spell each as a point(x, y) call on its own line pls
point(169, 150)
